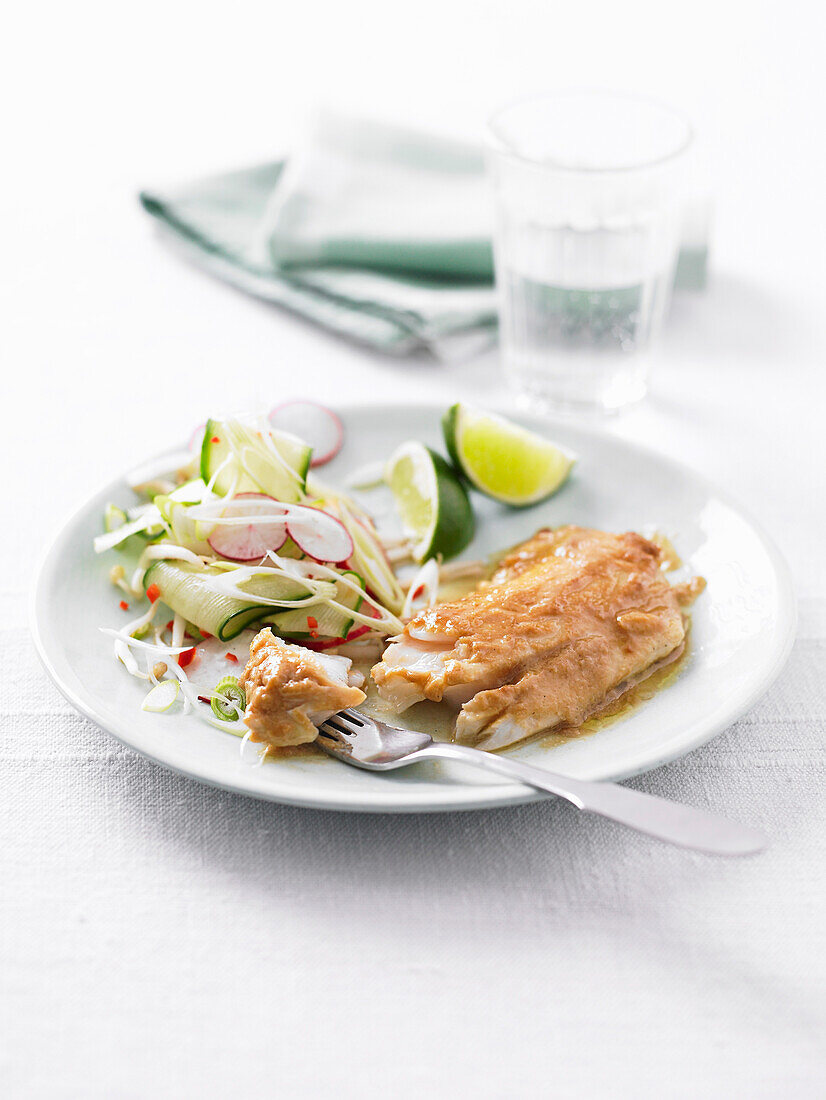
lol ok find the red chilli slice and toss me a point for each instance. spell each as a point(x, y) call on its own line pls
point(331, 643)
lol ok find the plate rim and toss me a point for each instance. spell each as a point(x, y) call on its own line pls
point(454, 797)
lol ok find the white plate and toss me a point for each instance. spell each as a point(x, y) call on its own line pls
point(743, 627)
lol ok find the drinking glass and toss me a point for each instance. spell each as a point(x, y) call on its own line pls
point(589, 194)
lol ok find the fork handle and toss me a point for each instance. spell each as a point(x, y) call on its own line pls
point(658, 817)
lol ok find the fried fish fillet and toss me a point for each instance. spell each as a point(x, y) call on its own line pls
point(290, 690)
point(570, 620)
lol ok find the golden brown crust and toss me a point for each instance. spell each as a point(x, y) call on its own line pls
point(688, 592)
point(566, 618)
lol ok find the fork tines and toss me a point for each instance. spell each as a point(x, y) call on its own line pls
point(347, 722)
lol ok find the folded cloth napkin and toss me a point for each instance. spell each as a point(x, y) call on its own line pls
point(379, 233)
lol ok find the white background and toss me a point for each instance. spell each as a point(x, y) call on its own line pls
point(163, 939)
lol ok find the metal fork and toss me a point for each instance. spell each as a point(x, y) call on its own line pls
point(368, 743)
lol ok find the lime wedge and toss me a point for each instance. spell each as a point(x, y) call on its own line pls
point(501, 459)
point(430, 500)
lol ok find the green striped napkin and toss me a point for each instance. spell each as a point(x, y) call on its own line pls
point(379, 233)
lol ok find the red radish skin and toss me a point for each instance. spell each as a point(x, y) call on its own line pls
point(316, 533)
point(252, 542)
point(315, 424)
point(333, 544)
point(246, 544)
point(196, 439)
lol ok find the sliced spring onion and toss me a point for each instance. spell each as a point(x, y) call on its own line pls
point(423, 589)
point(113, 518)
point(157, 527)
point(150, 519)
point(228, 699)
point(162, 696)
point(138, 627)
point(155, 647)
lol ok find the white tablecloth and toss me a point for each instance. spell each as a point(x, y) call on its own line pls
point(162, 939)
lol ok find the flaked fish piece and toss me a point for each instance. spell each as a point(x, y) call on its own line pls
point(291, 690)
point(570, 620)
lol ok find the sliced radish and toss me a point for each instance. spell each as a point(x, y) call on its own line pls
point(249, 541)
point(196, 439)
point(321, 536)
point(315, 424)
